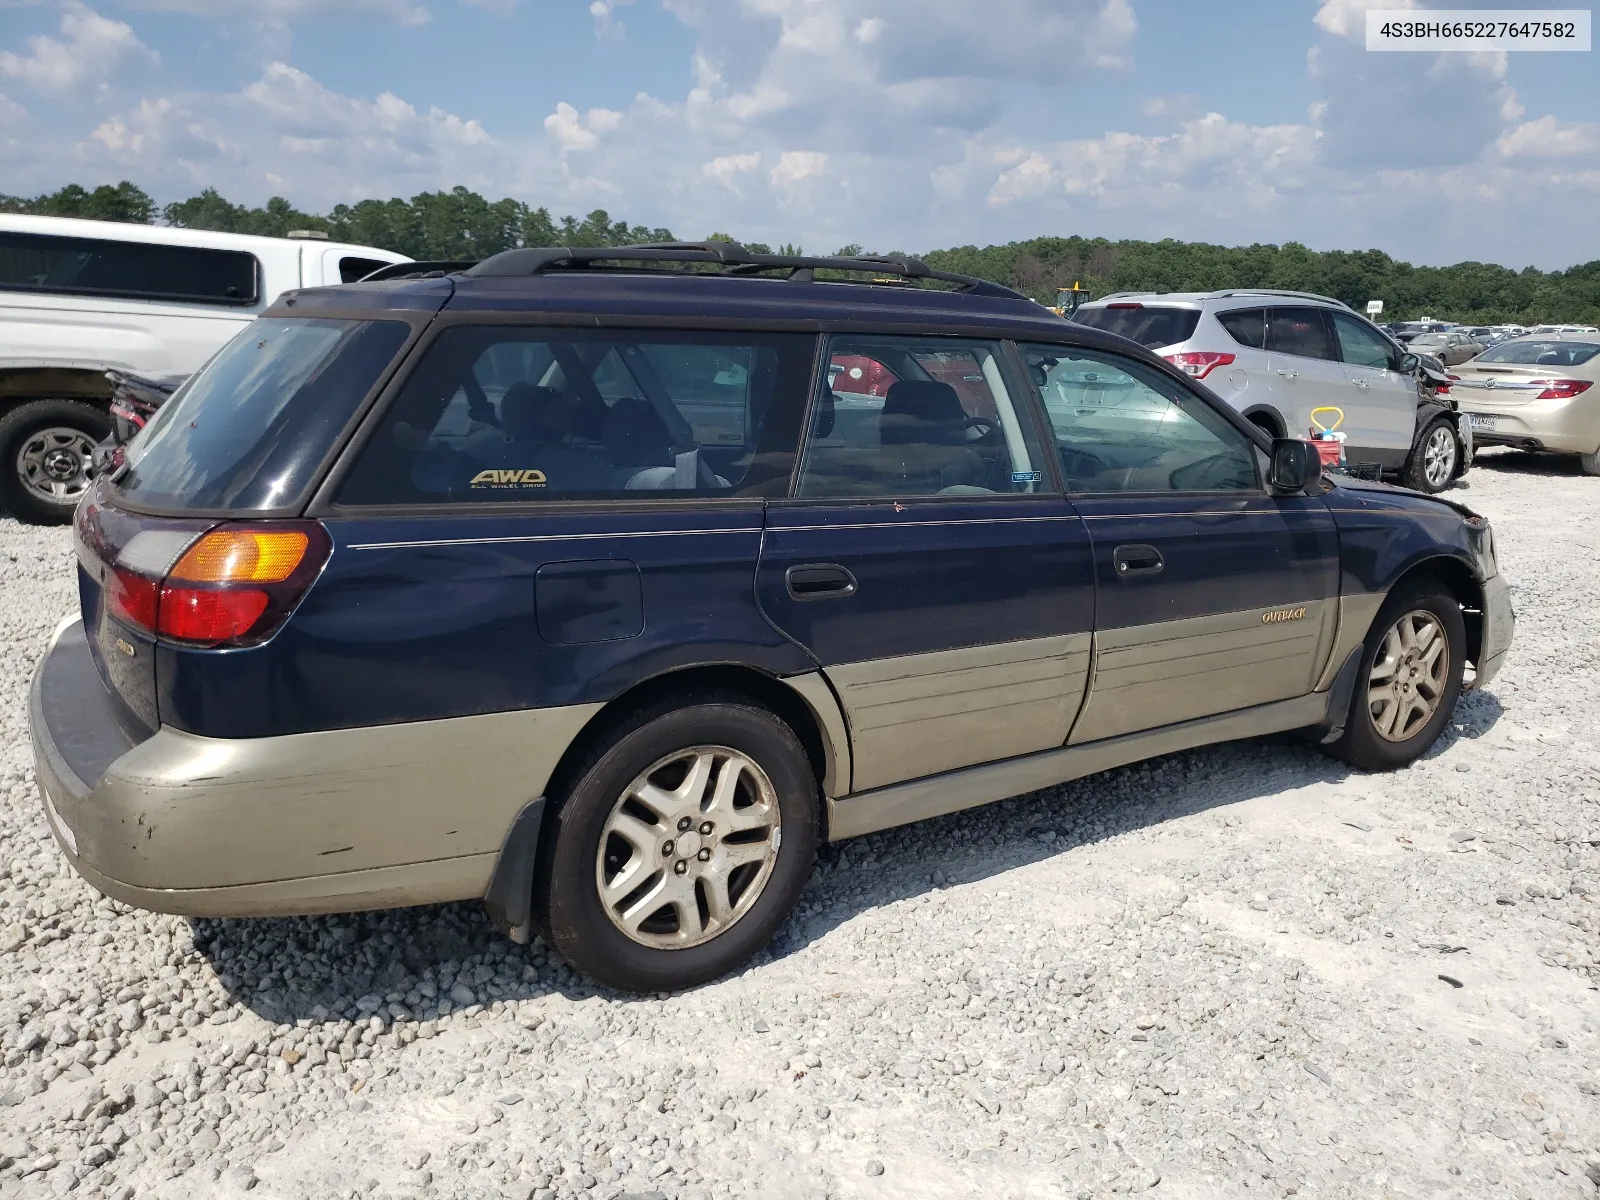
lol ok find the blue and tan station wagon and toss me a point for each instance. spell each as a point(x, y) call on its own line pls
point(604, 586)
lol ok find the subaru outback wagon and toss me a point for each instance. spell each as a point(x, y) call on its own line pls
point(583, 583)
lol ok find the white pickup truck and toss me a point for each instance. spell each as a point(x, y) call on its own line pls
point(78, 298)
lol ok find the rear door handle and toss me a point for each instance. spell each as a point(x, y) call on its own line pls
point(1136, 560)
point(819, 581)
point(1288, 374)
point(1361, 383)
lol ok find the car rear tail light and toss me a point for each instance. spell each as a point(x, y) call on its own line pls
point(1561, 389)
point(1198, 364)
point(1124, 306)
point(133, 597)
point(231, 586)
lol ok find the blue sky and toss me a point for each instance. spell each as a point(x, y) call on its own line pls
point(891, 123)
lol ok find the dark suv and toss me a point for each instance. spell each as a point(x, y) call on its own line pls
point(604, 585)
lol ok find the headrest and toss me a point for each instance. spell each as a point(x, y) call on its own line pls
point(922, 410)
point(526, 411)
point(636, 436)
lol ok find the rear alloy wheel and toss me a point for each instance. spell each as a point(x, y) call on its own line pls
point(681, 845)
point(1409, 680)
point(1433, 463)
point(1589, 464)
point(47, 458)
point(688, 848)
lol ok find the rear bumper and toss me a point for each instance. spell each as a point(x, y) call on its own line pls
point(1499, 623)
point(1566, 426)
point(307, 823)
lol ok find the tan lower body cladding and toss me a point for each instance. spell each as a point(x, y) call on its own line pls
point(920, 714)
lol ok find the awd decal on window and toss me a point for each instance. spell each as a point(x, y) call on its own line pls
point(1283, 614)
point(496, 478)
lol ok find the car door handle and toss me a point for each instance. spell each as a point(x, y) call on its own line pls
point(819, 581)
point(1361, 383)
point(1136, 560)
point(1288, 374)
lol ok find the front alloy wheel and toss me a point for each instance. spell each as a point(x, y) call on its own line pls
point(1409, 676)
point(1409, 679)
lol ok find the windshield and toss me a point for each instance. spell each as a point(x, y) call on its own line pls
point(1149, 325)
point(1541, 353)
point(250, 429)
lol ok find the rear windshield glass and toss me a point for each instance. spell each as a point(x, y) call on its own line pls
point(1541, 354)
point(249, 430)
point(1148, 325)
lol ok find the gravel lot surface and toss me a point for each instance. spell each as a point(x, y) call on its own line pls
point(1234, 972)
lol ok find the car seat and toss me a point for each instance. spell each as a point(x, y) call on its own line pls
point(922, 435)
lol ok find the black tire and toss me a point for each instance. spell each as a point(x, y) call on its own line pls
point(1361, 745)
point(17, 428)
point(1415, 476)
point(566, 901)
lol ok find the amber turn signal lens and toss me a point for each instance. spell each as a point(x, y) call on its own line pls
point(242, 556)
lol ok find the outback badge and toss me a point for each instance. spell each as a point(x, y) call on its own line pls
point(1283, 614)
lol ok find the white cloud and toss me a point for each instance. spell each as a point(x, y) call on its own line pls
point(608, 27)
point(797, 165)
point(1348, 18)
point(1210, 159)
point(90, 46)
point(1451, 106)
point(727, 168)
point(575, 131)
point(1549, 138)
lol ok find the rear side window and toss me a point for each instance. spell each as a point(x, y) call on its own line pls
point(925, 417)
point(133, 270)
point(1150, 325)
point(1247, 326)
point(1299, 331)
point(352, 269)
point(502, 414)
point(249, 430)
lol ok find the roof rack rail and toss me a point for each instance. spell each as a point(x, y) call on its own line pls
point(1124, 296)
point(1281, 292)
point(734, 258)
point(430, 269)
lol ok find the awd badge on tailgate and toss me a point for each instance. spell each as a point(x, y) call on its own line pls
point(1282, 614)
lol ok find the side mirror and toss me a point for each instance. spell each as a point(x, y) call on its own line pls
point(1296, 467)
point(1409, 364)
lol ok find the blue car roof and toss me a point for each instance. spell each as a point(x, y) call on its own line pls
point(760, 302)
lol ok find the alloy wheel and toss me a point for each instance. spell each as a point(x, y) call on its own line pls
point(57, 463)
point(1439, 456)
point(1408, 676)
point(689, 847)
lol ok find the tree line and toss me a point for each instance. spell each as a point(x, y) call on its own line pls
point(460, 224)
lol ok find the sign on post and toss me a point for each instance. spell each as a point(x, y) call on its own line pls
point(1374, 307)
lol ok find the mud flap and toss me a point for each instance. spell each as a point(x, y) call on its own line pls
point(509, 898)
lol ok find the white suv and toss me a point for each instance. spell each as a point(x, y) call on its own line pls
point(1276, 356)
point(79, 298)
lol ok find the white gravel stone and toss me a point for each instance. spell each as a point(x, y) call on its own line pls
point(1184, 977)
